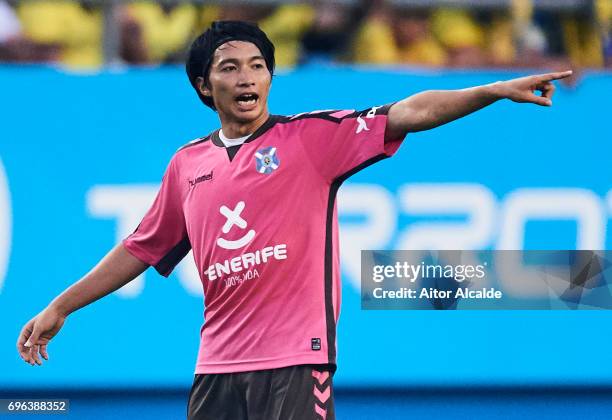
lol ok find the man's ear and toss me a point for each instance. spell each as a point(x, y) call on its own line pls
point(204, 90)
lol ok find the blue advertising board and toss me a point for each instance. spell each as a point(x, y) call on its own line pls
point(81, 157)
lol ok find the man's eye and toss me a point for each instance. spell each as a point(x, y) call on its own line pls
point(258, 66)
point(228, 69)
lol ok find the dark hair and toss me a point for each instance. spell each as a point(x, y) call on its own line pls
point(203, 48)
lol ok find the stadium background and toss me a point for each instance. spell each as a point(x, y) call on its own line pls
point(82, 149)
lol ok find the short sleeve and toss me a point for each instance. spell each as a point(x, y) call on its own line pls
point(161, 238)
point(340, 143)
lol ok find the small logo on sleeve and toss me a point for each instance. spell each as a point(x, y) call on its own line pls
point(362, 126)
point(315, 344)
point(206, 177)
point(266, 160)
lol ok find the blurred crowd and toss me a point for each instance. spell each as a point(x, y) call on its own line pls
point(88, 34)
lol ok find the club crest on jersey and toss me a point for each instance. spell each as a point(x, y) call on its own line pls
point(266, 160)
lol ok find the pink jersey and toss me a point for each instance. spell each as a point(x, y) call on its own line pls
point(261, 220)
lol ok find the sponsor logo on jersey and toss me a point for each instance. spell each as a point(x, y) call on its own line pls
point(233, 218)
point(241, 268)
point(266, 160)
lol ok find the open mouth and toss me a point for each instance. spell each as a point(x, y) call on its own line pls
point(247, 99)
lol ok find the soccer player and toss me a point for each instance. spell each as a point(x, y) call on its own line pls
point(255, 200)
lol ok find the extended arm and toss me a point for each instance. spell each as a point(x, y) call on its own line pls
point(116, 269)
point(433, 108)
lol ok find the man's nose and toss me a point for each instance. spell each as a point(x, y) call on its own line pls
point(246, 78)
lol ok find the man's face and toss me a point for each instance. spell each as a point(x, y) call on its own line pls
point(238, 81)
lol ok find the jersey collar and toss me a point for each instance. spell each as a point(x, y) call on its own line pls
point(272, 119)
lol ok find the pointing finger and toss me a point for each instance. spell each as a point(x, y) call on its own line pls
point(556, 76)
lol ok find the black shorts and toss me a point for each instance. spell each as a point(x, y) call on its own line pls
point(302, 392)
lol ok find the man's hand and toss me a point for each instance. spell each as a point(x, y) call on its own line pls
point(433, 108)
point(116, 269)
point(37, 333)
point(523, 89)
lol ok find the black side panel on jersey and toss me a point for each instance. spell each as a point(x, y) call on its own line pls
point(330, 321)
point(173, 257)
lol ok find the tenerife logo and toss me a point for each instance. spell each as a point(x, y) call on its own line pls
point(266, 160)
point(241, 268)
point(233, 218)
point(5, 224)
point(362, 124)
